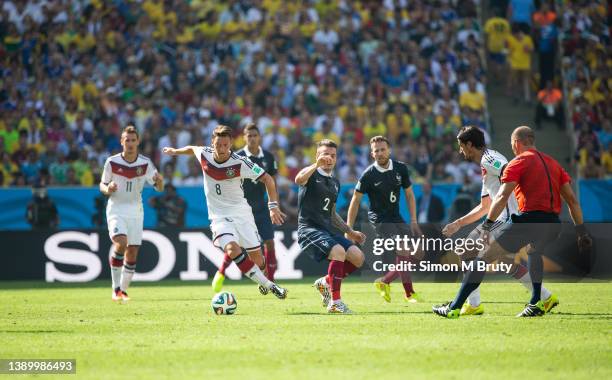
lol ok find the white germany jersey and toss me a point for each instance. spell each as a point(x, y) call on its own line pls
point(130, 178)
point(223, 183)
point(492, 165)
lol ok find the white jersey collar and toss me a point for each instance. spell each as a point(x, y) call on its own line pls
point(248, 152)
point(323, 172)
point(381, 169)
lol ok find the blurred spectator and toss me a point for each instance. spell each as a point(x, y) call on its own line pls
point(545, 31)
point(497, 30)
point(41, 212)
point(430, 206)
point(170, 208)
point(519, 13)
point(520, 46)
point(549, 106)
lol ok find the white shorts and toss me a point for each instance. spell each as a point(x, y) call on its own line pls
point(241, 230)
point(131, 227)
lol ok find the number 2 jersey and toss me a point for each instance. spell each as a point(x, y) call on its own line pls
point(223, 183)
point(383, 187)
point(317, 199)
point(492, 166)
point(130, 178)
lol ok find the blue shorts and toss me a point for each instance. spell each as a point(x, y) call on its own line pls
point(498, 58)
point(318, 243)
point(264, 225)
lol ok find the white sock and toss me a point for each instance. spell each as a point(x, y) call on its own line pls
point(474, 297)
point(126, 276)
point(526, 281)
point(257, 276)
point(116, 270)
point(116, 276)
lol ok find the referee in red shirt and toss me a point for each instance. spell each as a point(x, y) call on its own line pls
point(539, 183)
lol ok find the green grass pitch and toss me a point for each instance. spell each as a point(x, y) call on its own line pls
point(169, 331)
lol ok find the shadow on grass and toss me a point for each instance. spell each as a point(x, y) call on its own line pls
point(360, 313)
point(36, 331)
point(587, 315)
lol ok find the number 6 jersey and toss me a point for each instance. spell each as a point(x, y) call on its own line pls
point(130, 178)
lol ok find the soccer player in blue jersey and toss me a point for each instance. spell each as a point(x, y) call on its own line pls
point(318, 222)
point(383, 181)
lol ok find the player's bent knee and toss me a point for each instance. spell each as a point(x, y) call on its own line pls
point(257, 257)
point(337, 253)
point(355, 256)
point(232, 249)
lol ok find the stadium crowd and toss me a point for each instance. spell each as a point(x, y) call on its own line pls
point(75, 72)
point(587, 61)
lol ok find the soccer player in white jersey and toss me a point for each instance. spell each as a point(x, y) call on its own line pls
point(472, 147)
point(231, 217)
point(122, 180)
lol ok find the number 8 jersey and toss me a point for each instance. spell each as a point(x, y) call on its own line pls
point(223, 183)
point(130, 178)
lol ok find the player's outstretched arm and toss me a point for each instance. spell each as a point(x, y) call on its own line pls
point(476, 214)
point(277, 216)
point(302, 177)
point(189, 149)
point(353, 208)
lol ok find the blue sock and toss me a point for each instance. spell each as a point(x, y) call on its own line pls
point(471, 281)
point(536, 271)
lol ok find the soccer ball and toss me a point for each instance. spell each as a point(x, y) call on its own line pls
point(224, 303)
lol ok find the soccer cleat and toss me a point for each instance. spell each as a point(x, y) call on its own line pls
point(530, 310)
point(116, 295)
point(468, 309)
point(550, 303)
point(323, 287)
point(383, 289)
point(217, 282)
point(338, 307)
point(263, 290)
point(124, 296)
point(413, 298)
point(280, 293)
point(445, 311)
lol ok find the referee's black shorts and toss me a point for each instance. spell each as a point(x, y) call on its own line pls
point(537, 228)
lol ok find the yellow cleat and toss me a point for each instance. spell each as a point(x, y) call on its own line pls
point(550, 303)
point(383, 289)
point(413, 298)
point(217, 282)
point(468, 309)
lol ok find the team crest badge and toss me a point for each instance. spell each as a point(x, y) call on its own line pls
point(139, 171)
point(231, 172)
point(399, 179)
